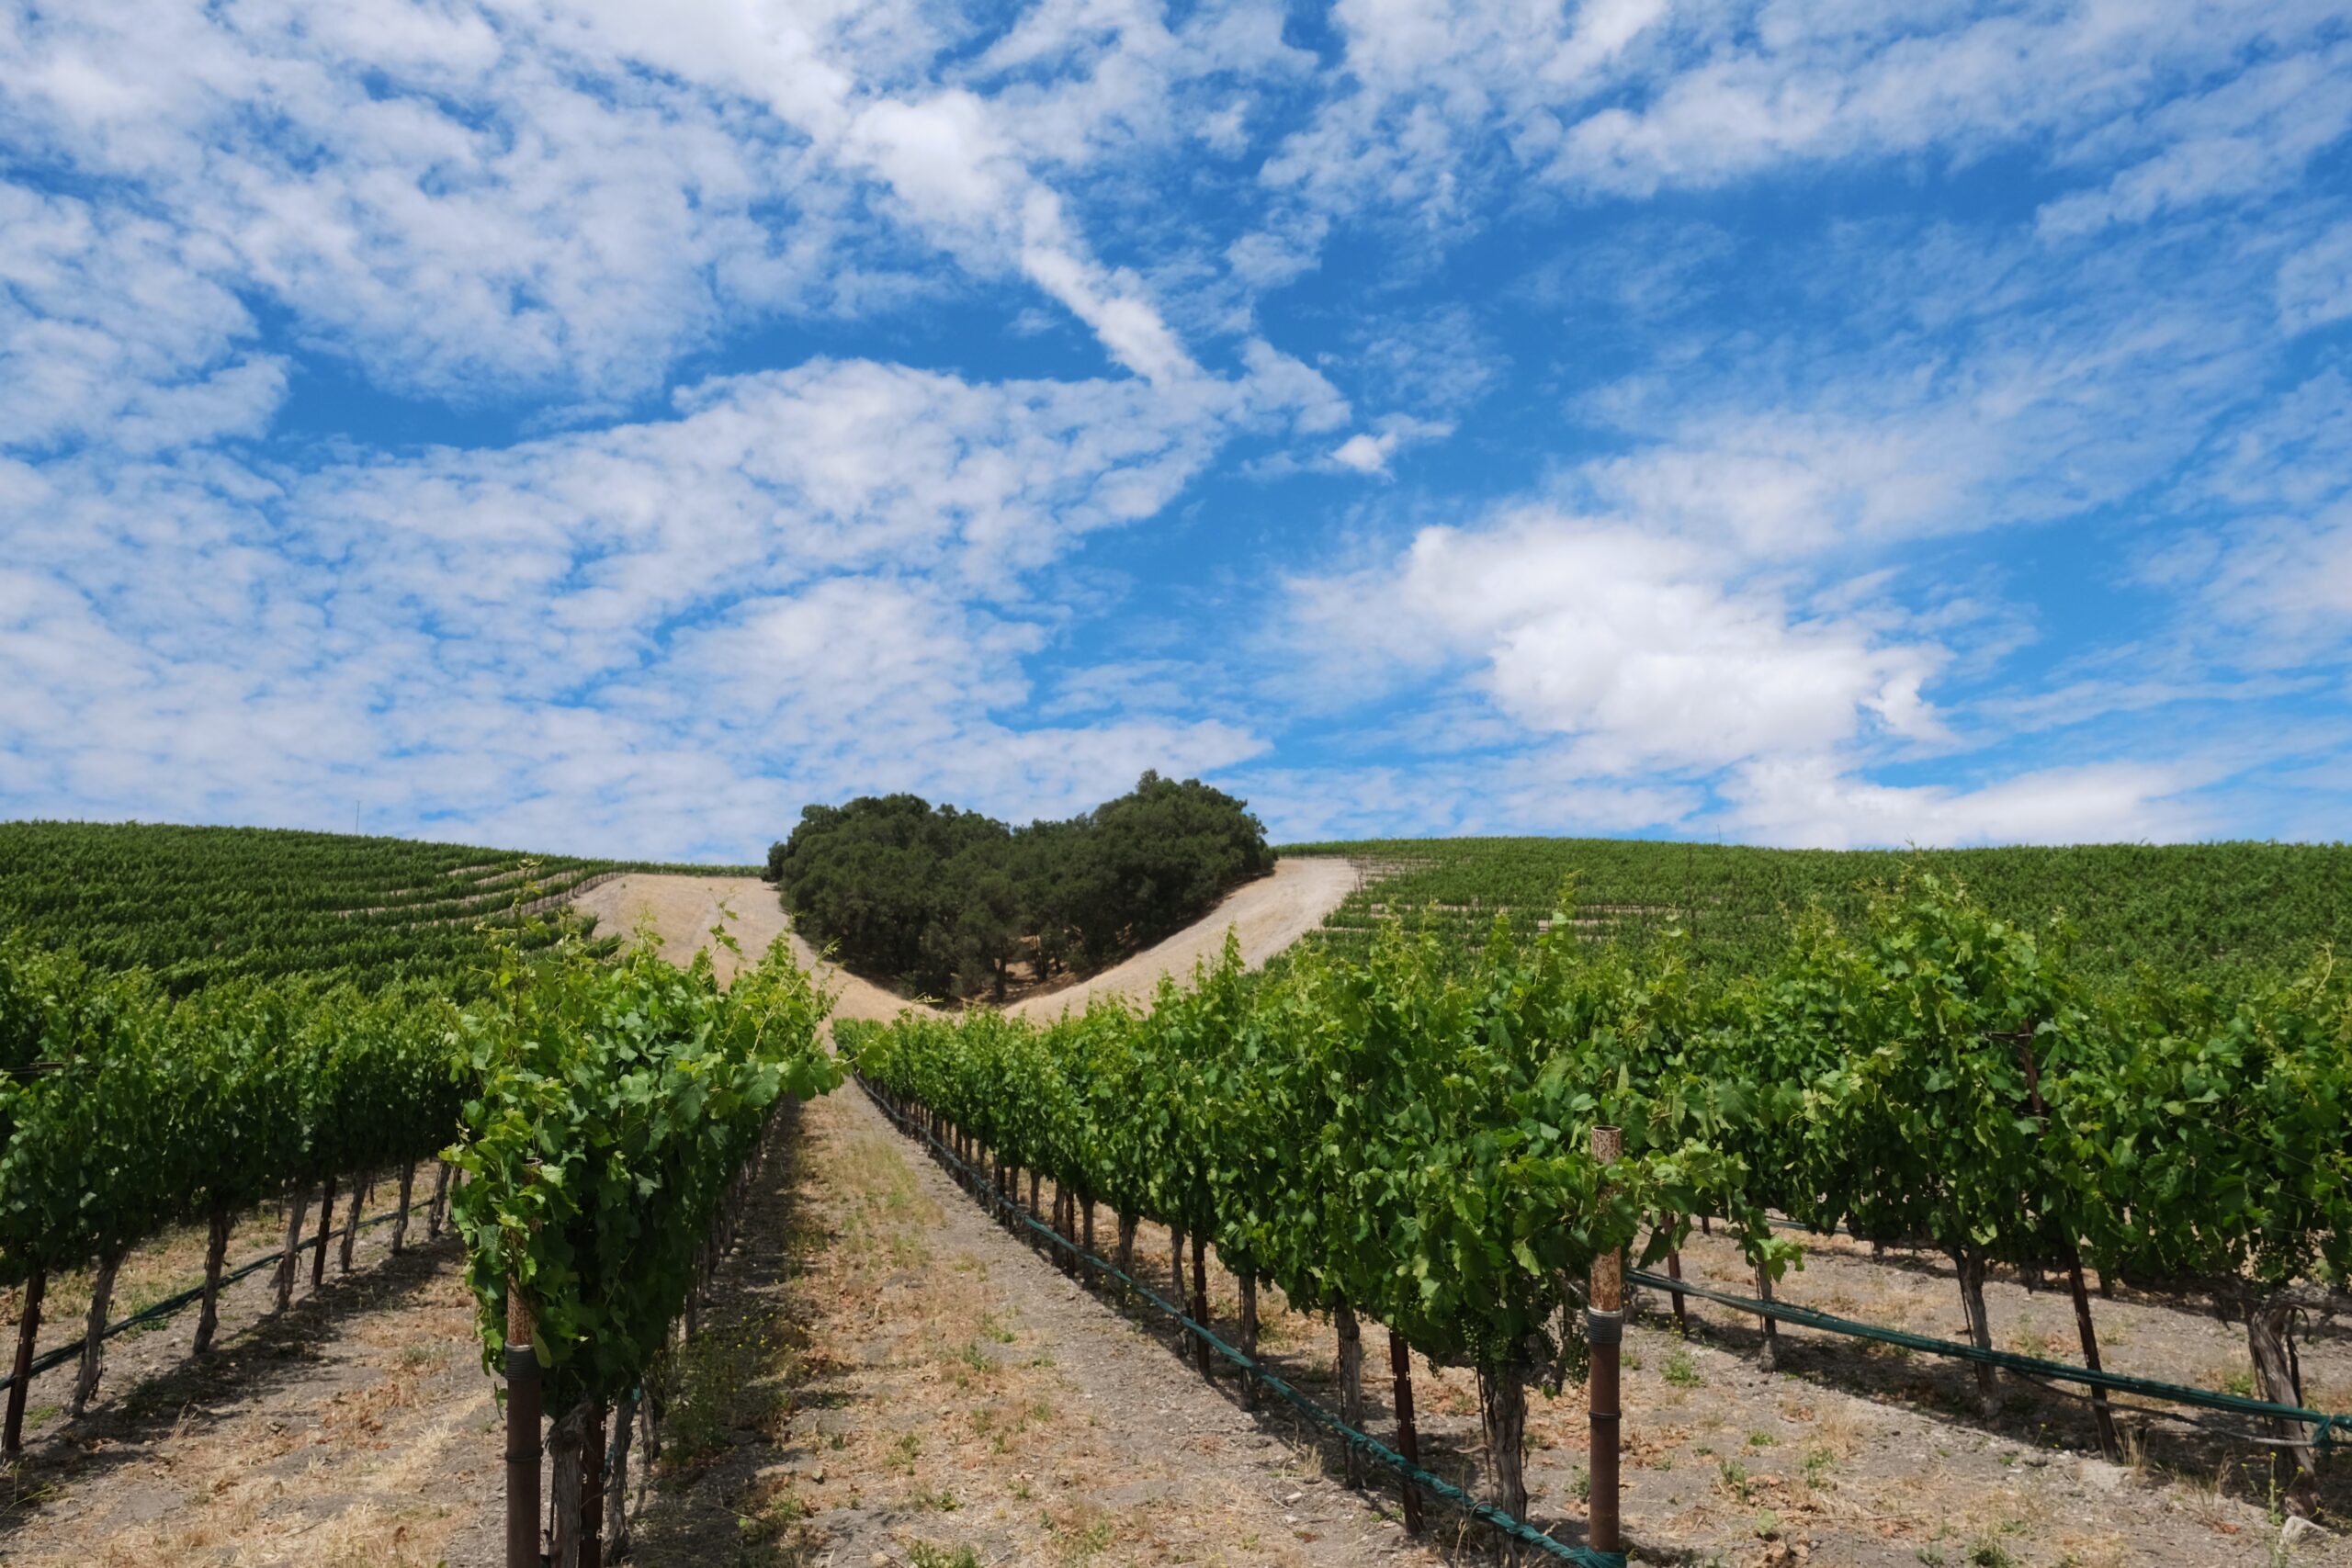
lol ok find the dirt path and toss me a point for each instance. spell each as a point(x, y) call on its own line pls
point(893, 1379)
point(1268, 915)
point(354, 1428)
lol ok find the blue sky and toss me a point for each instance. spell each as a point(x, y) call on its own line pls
point(607, 427)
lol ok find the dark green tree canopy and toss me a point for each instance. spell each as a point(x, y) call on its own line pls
point(947, 902)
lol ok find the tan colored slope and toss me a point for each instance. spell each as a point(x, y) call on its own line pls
point(677, 913)
point(1268, 915)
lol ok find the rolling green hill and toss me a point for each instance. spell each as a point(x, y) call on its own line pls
point(2186, 908)
point(201, 903)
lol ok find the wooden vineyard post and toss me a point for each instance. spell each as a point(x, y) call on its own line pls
point(522, 1435)
point(2083, 1328)
point(1409, 1437)
point(1604, 1332)
point(27, 1332)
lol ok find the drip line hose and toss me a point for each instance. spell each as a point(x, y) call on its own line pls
point(2324, 1426)
point(170, 1304)
point(1444, 1491)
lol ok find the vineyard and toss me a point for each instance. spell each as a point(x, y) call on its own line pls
point(195, 905)
point(1409, 1137)
point(1434, 1125)
point(587, 1118)
point(2182, 909)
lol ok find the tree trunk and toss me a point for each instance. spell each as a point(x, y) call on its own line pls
point(326, 1224)
point(1969, 1264)
point(1408, 1436)
point(2294, 1470)
point(564, 1443)
point(1350, 1333)
point(361, 1185)
point(400, 1222)
point(1033, 1192)
point(94, 1338)
point(1249, 1335)
point(1201, 1303)
point(216, 1252)
point(1674, 1271)
point(12, 1439)
point(616, 1480)
point(1502, 1414)
point(1176, 1268)
point(1768, 1353)
point(1127, 1249)
point(1086, 1235)
point(592, 1489)
point(440, 1206)
point(298, 1203)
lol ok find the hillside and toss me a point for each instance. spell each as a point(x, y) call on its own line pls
point(198, 904)
point(2185, 909)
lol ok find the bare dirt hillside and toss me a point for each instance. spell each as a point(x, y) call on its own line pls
point(1268, 915)
point(677, 914)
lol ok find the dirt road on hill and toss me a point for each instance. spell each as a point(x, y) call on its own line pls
point(679, 911)
point(1268, 915)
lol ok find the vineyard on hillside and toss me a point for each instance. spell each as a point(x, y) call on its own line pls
point(1408, 1137)
point(2183, 909)
point(196, 905)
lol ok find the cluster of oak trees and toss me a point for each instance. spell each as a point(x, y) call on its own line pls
point(946, 903)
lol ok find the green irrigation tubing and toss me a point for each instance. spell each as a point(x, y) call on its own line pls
point(1438, 1487)
point(48, 1359)
point(2325, 1425)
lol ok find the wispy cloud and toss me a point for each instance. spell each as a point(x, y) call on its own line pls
point(610, 426)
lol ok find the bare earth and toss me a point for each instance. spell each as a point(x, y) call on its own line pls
point(1268, 915)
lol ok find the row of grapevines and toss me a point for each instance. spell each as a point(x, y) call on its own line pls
point(1940, 1075)
point(123, 1111)
point(2181, 908)
point(1394, 1138)
point(198, 904)
point(614, 1110)
point(1403, 1134)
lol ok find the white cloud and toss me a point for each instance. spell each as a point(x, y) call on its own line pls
point(1629, 97)
point(1637, 645)
point(659, 637)
point(1812, 802)
point(1367, 452)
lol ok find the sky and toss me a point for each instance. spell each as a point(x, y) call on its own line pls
point(605, 428)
